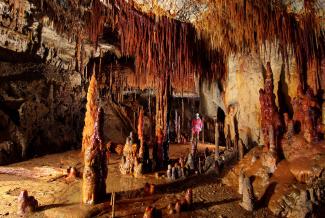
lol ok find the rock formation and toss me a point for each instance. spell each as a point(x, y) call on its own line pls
point(248, 201)
point(230, 127)
point(307, 113)
point(95, 165)
point(26, 204)
point(140, 134)
point(269, 111)
point(240, 181)
point(91, 111)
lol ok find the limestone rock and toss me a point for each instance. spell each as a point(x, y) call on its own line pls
point(9, 152)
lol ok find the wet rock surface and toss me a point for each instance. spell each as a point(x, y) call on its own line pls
point(59, 197)
point(279, 191)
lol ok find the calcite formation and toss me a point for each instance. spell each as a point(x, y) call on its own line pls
point(26, 204)
point(91, 112)
point(140, 135)
point(95, 165)
point(306, 113)
point(136, 62)
point(270, 118)
point(248, 201)
point(231, 128)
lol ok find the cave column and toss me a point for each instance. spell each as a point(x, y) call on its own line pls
point(216, 138)
point(163, 95)
point(323, 110)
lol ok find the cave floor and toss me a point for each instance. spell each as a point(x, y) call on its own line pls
point(59, 197)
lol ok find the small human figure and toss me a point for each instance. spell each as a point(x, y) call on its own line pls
point(197, 125)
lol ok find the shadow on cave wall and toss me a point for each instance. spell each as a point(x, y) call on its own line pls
point(284, 99)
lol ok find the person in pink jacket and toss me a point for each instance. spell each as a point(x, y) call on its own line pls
point(197, 125)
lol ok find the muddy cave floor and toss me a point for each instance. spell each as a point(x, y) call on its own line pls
point(61, 198)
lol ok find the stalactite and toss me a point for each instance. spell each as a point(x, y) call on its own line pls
point(96, 21)
point(78, 53)
point(242, 26)
point(82, 61)
point(160, 45)
point(18, 9)
point(90, 116)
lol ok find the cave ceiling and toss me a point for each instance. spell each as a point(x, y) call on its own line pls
point(187, 39)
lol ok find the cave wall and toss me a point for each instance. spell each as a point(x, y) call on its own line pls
point(42, 109)
point(42, 96)
point(244, 78)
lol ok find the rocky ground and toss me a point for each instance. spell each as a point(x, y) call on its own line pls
point(283, 190)
point(59, 197)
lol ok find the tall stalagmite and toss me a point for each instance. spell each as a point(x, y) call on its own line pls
point(269, 110)
point(90, 116)
point(95, 165)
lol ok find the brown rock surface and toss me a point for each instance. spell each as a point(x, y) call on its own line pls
point(58, 198)
point(280, 190)
point(306, 160)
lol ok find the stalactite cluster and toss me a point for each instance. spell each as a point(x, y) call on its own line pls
point(162, 95)
point(96, 20)
point(241, 26)
point(159, 44)
point(17, 7)
point(162, 45)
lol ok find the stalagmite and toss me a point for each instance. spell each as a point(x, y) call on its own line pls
point(140, 134)
point(240, 181)
point(149, 212)
point(269, 110)
point(177, 124)
point(240, 149)
point(26, 204)
point(95, 165)
point(216, 139)
point(323, 110)
point(189, 196)
point(272, 139)
point(90, 116)
point(248, 201)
